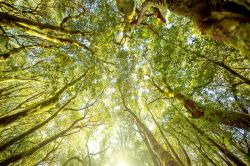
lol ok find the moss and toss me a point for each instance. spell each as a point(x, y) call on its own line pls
point(127, 8)
point(233, 33)
point(245, 3)
point(221, 20)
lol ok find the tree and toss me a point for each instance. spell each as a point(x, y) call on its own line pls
point(233, 119)
point(124, 82)
point(164, 156)
point(225, 21)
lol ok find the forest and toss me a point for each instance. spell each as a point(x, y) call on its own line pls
point(124, 82)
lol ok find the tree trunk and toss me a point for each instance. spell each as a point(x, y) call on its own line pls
point(40, 145)
point(155, 159)
point(41, 106)
point(223, 150)
point(224, 159)
point(233, 72)
point(26, 133)
point(226, 152)
point(185, 153)
point(165, 138)
point(164, 156)
point(226, 21)
point(233, 119)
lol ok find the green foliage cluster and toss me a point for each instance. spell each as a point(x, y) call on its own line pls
point(73, 73)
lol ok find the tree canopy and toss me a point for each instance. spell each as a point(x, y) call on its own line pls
point(124, 82)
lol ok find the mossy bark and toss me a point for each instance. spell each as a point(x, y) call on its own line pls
point(233, 119)
point(7, 144)
point(225, 21)
point(164, 156)
point(21, 155)
point(41, 106)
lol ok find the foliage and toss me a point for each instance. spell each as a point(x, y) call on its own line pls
point(74, 69)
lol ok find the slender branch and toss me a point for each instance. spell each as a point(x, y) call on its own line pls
point(38, 146)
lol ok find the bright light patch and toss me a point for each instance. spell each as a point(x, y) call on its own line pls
point(121, 163)
point(93, 146)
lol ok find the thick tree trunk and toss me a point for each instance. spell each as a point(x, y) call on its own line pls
point(155, 159)
point(164, 156)
point(233, 119)
point(223, 20)
point(165, 139)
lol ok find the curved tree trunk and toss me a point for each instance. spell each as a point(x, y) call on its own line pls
point(33, 129)
point(38, 146)
point(226, 21)
point(41, 106)
point(233, 119)
point(223, 20)
point(164, 156)
point(155, 159)
point(165, 138)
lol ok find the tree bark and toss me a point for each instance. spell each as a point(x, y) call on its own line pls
point(165, 139)
point(40, 145)
point(26, 133)
point(225, 151)
point(153, 155)
point(232, 119)
point(226, 21)
point(41, 106)
point(164, 156)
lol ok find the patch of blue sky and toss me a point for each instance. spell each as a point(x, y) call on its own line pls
point(191, 39)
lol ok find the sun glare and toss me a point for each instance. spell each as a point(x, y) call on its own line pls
point(122, 163)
